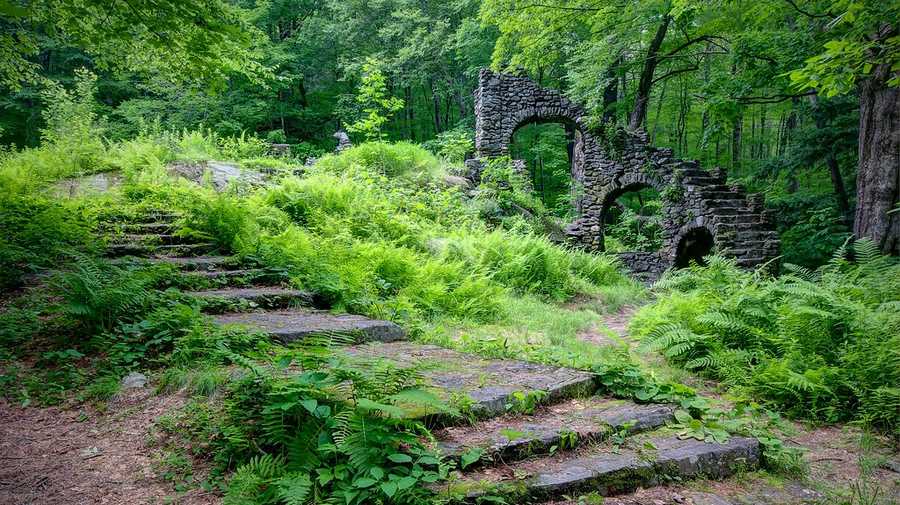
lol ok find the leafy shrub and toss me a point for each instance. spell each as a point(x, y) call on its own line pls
point(36, 232)
point(817, 344)
point(339, 433)
point(401, 159)
point(453, 145)
point(98, 294)
point(72, 124)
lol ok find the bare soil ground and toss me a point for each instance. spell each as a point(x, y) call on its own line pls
point(83, 456)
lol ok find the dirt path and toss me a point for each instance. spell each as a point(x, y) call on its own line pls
point(82, 456)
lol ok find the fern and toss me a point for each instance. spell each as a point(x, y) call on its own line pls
point(815, 343)
point(294, 488)
point(98, 294)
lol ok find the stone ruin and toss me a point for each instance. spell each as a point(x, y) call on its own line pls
point(701, 211)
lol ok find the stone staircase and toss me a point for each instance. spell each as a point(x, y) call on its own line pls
point(540, 431)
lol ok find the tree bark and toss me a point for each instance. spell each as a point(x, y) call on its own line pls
point(611, 94)
point(737, 142)
point(435, 107)
point(837, 180)
point(645, 84)
point(570, 143)
point(878, 177)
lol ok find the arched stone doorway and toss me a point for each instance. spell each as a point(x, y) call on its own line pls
point(693, 247)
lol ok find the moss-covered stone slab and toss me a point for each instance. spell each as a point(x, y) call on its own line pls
point(564, 425)
point(647, 461)
point(145, 249)
point(484, 387)
point(197, 263)
point(265, 296)
point(226, 275)
point(296, 324)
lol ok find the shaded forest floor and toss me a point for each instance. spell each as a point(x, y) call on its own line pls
point(115, 453)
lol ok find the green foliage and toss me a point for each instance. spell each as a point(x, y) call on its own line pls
point(36, 232)
point(375, 230)
point(544, 148)
point(198, 38)
point(452, 145)
point(635, 223)
point(98, 294)
point(816, 344)
point(857, 42)
point(338, 433)
point(376, 106)
point(71, 123)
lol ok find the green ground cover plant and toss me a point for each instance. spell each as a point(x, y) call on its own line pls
point(817, 344)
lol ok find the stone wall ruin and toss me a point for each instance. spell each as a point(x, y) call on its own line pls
point(701, 211)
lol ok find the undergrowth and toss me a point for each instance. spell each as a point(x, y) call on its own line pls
point(819, 345)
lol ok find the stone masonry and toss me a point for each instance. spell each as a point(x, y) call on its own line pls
point(701, 211)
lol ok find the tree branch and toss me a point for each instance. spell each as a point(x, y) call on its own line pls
point(772, 99)
point(807, 14)
point(703, 38)
point(670, 73)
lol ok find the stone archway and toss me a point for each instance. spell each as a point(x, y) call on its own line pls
point(693, 246)
point(606, 164)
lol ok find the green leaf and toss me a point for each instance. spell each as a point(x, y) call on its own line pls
point(376, 472)
point(389, 488)
point(428, 460)
point(310, 405)
point(683, 416)
point(389, 410)
point(364, 482)
point(400, 458)
point(406, 483)
point(470, 456)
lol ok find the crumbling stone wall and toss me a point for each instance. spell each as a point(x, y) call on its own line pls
point(606, 164)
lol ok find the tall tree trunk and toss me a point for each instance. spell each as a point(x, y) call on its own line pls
point(763, 145)
point(610, 93)
point(737, 142)
point(645, 84)
point(436, 102)
point(570, 143)
point(837, 181)
point(410, 111)
point(878, 177)
point(659, 104)
point(304, 101)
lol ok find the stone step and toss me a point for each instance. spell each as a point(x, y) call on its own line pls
point(145, 217)
point(751, 261)
point(750, 244)
point(722, 203)
point(138, 249)
point(155, 227)
point(719, 195)
point(297, 324)
point(701, 181)
point(199, 264)
point(486, 387)
point(137, 228)
point(645, 460)
point(269, 297)
point(151, 239)
point(743, 218)
point(739, 227)
point(730, 189)
point(565, 425)
point(253, 274)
